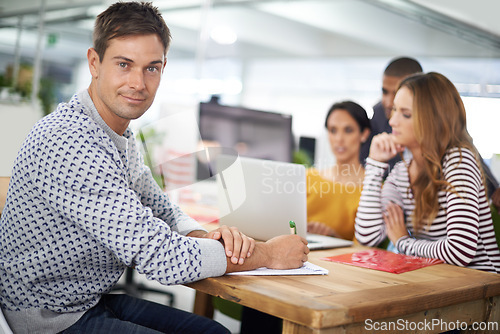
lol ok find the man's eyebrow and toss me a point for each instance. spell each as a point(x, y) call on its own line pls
point(124, 58)
point(131, 61)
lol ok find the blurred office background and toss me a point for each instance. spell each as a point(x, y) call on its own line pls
point(290, 57)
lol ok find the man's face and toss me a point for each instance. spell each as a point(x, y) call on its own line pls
point(125, 81)
point(389, 87)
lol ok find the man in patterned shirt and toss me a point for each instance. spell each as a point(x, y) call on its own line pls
point(82, 206)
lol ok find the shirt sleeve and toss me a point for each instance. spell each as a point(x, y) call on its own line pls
point(83, 178)
point(461, 217)
point(369, 223)
point(152, 196)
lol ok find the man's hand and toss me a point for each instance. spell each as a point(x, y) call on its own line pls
point(237, 245)
point(383, 147)
point(395, 222)
point(320, 228)
point(287, 252)
point(281, 252)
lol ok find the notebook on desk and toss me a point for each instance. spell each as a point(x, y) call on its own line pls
point(260, 197)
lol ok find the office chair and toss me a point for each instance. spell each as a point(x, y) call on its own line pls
point(135, 289)
point(4, 326)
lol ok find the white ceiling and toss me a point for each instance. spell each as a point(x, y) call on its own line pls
point(292, 56)
point(267, 28)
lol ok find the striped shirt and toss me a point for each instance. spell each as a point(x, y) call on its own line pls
point(462, 233)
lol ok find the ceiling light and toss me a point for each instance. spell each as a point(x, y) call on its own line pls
point(223, 35)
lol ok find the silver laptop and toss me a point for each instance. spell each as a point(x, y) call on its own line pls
point(260, 197)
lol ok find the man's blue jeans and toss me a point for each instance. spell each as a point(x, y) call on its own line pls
point(122, 314)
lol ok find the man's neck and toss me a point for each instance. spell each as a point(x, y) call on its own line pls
point(106, 115)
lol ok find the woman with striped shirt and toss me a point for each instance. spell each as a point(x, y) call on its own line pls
point(432, 205)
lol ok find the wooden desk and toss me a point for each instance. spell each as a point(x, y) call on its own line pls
point(4, 186)
point(343, 300)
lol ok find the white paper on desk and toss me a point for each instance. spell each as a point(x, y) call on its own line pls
point(307, 269)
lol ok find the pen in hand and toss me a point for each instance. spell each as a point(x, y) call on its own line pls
point(293, 227)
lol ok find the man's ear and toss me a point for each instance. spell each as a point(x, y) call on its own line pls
point(94, 62)
point(164, 64)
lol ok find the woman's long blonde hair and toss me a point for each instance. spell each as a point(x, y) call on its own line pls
point(439, 123)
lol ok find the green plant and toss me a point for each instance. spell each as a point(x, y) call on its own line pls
point(24, 86)
point(302, 157)
point(47, 95)
point(151, 138)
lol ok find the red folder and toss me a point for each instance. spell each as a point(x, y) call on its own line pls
point(379, 259)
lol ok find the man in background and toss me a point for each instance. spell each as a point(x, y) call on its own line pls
point(397, 69)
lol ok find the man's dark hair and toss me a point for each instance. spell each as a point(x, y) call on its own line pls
point(355, 110)
point(402, 67)
point(126, 19)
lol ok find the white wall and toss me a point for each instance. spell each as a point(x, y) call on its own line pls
point(16, 122)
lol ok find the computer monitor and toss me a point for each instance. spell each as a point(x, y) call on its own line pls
point(308, 145)
point(252, 133)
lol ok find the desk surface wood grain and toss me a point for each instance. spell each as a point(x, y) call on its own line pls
point(351, 295)
point(4, 186)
